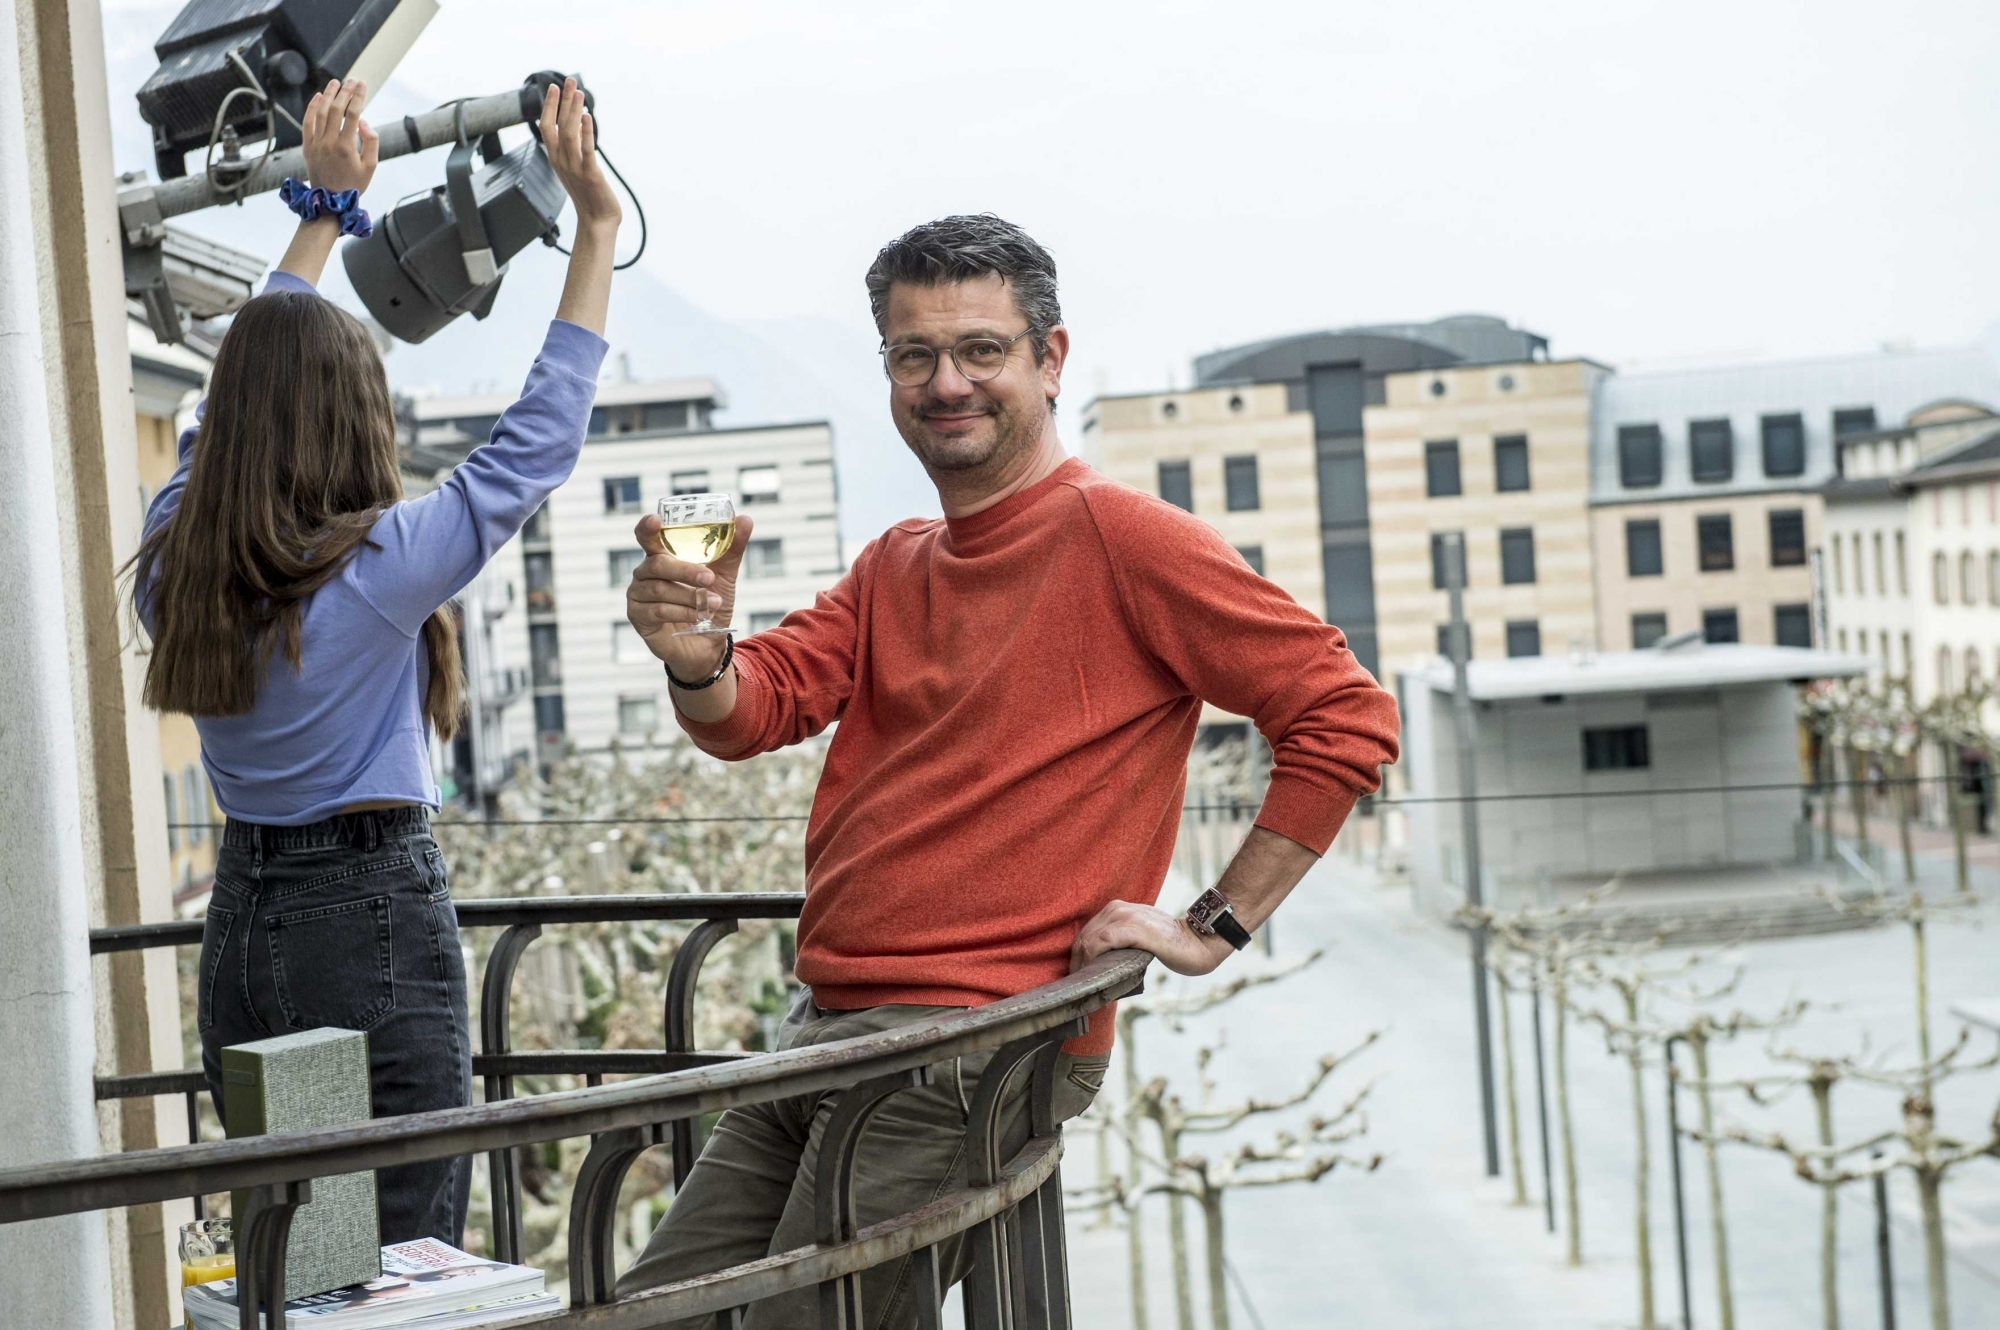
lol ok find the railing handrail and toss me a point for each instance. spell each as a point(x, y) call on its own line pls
point(498, 912)
point(142, 1176)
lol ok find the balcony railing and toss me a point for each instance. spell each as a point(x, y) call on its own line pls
point(1011, 1208)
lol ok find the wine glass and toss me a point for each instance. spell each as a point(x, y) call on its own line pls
point(698, 528)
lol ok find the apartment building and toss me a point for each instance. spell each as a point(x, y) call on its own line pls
point(1501, 454)
point(564, 666)
point(1706, 485)
point(1269, 446)
point(1912, 565)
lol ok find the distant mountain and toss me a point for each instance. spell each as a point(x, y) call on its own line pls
point(772, 371)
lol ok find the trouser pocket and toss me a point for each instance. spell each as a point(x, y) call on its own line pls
point(333, 964)
point(1077, 1081)
point(215, 931)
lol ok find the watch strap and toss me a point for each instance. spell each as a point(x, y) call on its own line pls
point(1230, 931)
point(1212, 916)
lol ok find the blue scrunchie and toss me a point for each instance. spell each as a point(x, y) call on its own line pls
point(315, 202)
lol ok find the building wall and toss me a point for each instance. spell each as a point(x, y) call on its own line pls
point(1872, 610)
point(1549, 403)
point(1754, 588)
point(1954, 600)
point(589, 608)
point(1128, 437)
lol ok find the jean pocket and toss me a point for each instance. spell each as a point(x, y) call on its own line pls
point(1077, 1082)
point(333, 965)
point(438, 881)
point(214, 941)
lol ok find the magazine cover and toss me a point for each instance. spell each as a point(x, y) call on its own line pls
point(423, 1278)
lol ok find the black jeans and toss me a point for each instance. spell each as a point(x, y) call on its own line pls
point(348, 922)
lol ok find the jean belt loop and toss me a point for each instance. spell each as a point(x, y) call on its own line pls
point(371, 826)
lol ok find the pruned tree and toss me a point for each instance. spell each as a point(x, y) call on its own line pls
point(1954, 722)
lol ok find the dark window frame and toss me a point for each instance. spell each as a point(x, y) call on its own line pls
point(1254, 556)
point(1617, 748)
point(1506, 448)
point(1436, 453)
point(1240, 493)
point(1793, 550)
point(1438, 582)
point(1633, 563)
point(1643, 625)
point(1711, 450)
point(1641, 457)
point(1715, 556)
point(614, 495)
point(1181, 473)
point(1444, 640)
point(1712, 621)
point(1771, 432)
point(1519, 631)
point(1785, 620)
point(1853, 416)
point(1514, 541)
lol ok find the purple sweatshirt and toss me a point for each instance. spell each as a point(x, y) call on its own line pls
point(348, 725)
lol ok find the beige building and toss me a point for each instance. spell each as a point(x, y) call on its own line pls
point(1235, 457)
point(1501, 454)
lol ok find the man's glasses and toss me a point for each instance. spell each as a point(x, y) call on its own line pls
point(912, 364)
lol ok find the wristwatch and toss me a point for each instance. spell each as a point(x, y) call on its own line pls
point(1211, 915)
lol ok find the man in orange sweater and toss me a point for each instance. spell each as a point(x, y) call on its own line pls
point(1017, 688)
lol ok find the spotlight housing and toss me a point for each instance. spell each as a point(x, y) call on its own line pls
point(245, 68)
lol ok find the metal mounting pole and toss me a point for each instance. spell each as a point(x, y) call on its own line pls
point(1680, 1202)
point(1885, 1274)
point(1542, 1103)
point(1468, 788)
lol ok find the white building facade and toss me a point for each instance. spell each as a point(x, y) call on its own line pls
point(555, 663)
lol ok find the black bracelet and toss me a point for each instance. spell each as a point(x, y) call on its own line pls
point(728, 654)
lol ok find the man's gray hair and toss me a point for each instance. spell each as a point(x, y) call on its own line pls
point(956, 249)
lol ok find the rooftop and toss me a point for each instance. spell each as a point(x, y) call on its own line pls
point(693, 388)
point(1650, 671)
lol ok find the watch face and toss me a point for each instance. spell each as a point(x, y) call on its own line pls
point(1208, 907)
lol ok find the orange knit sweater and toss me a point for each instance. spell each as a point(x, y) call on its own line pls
point(1017, 692)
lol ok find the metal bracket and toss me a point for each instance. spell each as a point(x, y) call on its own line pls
point(262, 1233)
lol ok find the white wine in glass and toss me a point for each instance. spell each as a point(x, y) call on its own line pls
point(698, 528)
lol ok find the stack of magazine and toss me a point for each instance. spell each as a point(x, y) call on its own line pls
point(426, 1285)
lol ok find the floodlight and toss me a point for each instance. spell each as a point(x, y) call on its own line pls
point(442, 254)
point(243, 69)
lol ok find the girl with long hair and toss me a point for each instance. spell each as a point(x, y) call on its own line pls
point(297, 608)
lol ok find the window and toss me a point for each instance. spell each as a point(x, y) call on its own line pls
point(1510, 463)
point(1784, 445)
point(1177, 485)
point(1993, 577)
point(638, 713)
point(627, 647)
point(1254, 556)
point(1647, 629)
point(1940, 580)
point(1517, 555)
point(1788, 537)
point(1717, 543)
point(1881, 579)
point(1839, 568)
point(1909, 657)
point(600, 421)
point(1444, 641)
point(1642, 549)
point(1239, 484)
point(549, 713)
point(1843, 639)
point(546, 653)
point(660, 416)
point(1439, 581)
point(1968, 580)
point(541, 578)
point(173, 812)
point(1792, 625)
point(1638, 456)
point(1971, 666)
point(764, 558)
point(757, 484)
point(1944, 670)
point(1616, 748)
point(1441, 469)
point(1719, 626)
point(621, 494)
point(766, 619)
point(619, 565)
point(1711, 449)
point(1524, 638)
point(1853, 420)
point(688, 482)
point(537, 526)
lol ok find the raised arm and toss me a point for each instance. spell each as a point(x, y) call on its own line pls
point(425, 550)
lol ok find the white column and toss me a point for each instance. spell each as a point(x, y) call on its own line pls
point(57, 1270)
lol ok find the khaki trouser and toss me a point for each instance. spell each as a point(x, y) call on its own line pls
point(751, 1192)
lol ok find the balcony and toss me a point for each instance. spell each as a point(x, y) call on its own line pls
point(1012, 1209)
point(500, 689)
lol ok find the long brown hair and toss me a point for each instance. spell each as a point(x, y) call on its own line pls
point(295, 461)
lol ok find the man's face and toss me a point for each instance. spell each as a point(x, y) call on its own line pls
point(951, 423)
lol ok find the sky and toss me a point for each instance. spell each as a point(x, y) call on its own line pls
point(1645, 184)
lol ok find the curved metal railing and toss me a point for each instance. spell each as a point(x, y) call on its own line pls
point(1011, 1208)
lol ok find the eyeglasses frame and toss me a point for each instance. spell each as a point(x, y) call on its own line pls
point(1006, 344)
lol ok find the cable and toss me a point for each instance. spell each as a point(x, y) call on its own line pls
point(638, 207)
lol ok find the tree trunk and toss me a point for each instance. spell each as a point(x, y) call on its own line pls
point(1930, 1180)
point(1218, 1287)
point(1135, 1237)
point(1829, 1208)
point(1921, 961)
point(1830, 767)
point(1572, 1217)
point(1906, 795)
point(1954, 801)
point(1177, 1250)
point(1725, 1298)
point(1642, 1165)
point(1857, 785)
point(1513, 1101)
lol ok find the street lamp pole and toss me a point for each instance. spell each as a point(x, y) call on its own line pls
point(1468, 788)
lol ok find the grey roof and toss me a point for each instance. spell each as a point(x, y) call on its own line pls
point(1381, 348)
point(1649, 671)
